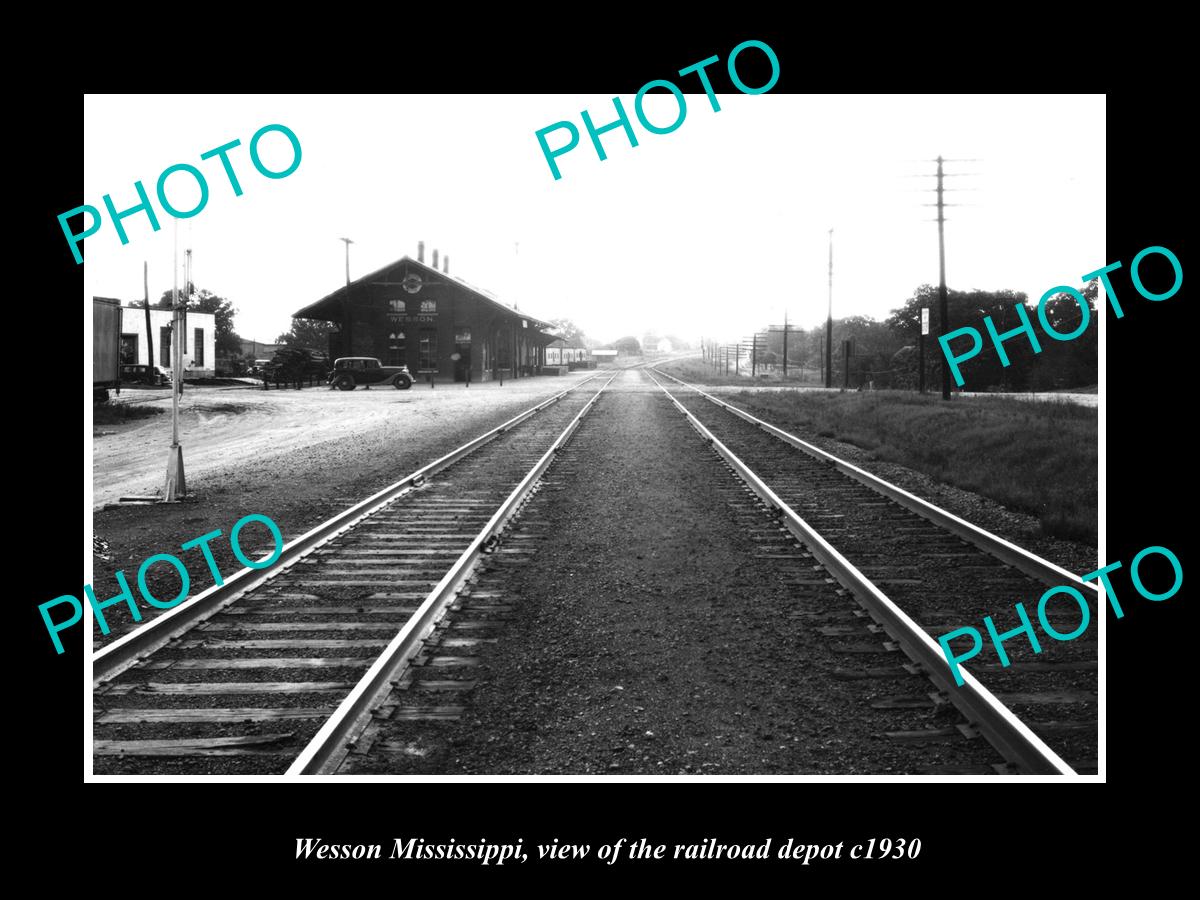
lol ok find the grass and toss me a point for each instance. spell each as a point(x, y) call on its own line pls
point(119, 413)
point(1035, 457)
point(701, 372)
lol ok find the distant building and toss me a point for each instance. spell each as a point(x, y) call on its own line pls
point(605, 356)
point(410, 313)
point(199, 340)
point(258, 350)
point(561, 352)
point(664, 346)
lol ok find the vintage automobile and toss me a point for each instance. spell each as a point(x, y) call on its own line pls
point(351, 371)
point(142, 374)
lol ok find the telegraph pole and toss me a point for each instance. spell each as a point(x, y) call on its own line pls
point(188, 290)
point(176, 486)
point(943, 325)
point(785, 331)
point(829, 321)
point(146, 305)
point(786, 328)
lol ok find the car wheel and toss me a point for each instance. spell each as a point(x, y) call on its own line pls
point(402, 382)
point(345, 383)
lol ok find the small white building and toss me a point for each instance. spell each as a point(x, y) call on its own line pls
point(561, 352)
point(199, 340)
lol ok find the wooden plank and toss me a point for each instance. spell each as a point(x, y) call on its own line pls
point(270, 662)
point(243, 687)
point(295, 626)
point(296, 644)
point(1072, 665)
point(375, 582)
point(926, 734)
point(216, 746)
point(181, 716)
point(440, 685)
point(871, 672)
point(375, 553)
point(428, 713)
point(1062, 727)
point(904, 703)
point(348, 609)
point(1037, 699)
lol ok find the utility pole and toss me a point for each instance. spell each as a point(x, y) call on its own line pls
point(786, 328)
point(149, 328)
point(785, 331)
point(189, 289)
point(176, 486)
point(754, 356)
point(943, 325)
point(829, 321)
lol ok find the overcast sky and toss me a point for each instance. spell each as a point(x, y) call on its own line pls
point(711, 230)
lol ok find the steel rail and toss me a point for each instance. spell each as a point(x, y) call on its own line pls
point(1041, 569)
point(333, 741)
point(115, 658)
point(1007, 733)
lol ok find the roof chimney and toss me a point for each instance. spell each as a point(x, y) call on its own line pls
point(446, 264)
point(435, 259)
point(420, 251)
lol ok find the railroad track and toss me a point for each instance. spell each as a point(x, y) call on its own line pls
point(277, 671)
point(307, 672)
point(919, 571)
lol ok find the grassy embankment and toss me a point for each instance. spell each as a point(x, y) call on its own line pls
point(1035, 457)
point(703, 373)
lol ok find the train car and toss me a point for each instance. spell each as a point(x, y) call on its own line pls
point(106, 347)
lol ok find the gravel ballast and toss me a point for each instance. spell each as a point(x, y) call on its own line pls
point(651, 632)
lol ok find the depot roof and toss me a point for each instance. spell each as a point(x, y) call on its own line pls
point(328, 309)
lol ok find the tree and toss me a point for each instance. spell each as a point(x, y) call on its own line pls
point(566, 329)
point(967, 309)
point(228, 343)
point(1073, 363)
point(307, 334)
point(628, 345)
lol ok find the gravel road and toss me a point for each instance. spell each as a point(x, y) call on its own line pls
point(297, 457)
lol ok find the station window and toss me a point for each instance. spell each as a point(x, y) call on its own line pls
point(397, 306)
point(199, 355)
point(397, 346)
point(164, 344)
point(428, 357)
point(428, 307)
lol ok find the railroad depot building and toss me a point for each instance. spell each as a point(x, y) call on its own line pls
point(199, 340)
point(410, 313)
